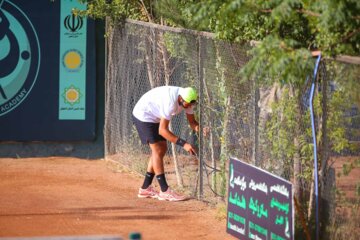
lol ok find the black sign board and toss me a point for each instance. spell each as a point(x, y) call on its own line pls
point(260, 204)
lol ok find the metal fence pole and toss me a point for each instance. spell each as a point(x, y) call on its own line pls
point(255, 121)
point(316, 182)
point(201, 75)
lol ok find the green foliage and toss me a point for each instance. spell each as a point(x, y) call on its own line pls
point(346, 168)
point(288, 29)
point(276, 60)
point(313, 24)
point(280, 130)
point(338, 26)
point(337, 122)
point(116, 10)
point(175, 12)
point(221, 211)
point(348, 77)
point(180, 47)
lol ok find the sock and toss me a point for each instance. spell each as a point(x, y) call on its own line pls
point(162, 181)
point(148, 180)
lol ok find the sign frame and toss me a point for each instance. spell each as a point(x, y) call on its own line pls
point(260, 205)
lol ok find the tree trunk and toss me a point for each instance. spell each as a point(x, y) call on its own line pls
point(167, 72)
point(311, 198)
point(227, 104)
point(255, 148)
point(297, 159)
point(109, 148)
point(225, 144)
point(148, 62)
point(179, 178)
point(297, 171)
point(211, 138)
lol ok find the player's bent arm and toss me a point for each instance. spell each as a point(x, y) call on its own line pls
point(193, 123)
point(168, 135)
point(165, 132)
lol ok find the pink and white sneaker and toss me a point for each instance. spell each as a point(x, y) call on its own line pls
point(171, 195)
point(150, 192)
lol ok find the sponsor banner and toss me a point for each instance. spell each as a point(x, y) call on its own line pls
point(260, 204)
point(46, 54)
point(72, 71)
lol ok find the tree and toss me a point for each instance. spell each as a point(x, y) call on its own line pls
point(287, 30)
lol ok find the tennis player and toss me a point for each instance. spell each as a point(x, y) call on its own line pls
point(152, 115)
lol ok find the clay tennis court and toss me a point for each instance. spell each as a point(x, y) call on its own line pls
point(60, 196)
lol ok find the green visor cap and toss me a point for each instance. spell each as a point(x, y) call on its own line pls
point(188, 94)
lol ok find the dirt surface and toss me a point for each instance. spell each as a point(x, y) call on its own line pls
point(76, 197)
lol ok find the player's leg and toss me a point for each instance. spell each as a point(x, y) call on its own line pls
point(158, 151)
point(149, 176)
point(147, 133)
point(146, 190)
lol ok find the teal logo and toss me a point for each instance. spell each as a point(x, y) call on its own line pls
point(19, 56)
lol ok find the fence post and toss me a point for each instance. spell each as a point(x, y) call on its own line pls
point(316, 182)
point(255, 148)
point(201, 76)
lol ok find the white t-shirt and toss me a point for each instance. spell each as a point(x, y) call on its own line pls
point(159, 102)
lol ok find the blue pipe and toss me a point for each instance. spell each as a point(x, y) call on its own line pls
point(316, 181)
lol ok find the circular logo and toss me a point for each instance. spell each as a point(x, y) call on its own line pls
point(72, 95)
point(19, 56)
point(72, 60)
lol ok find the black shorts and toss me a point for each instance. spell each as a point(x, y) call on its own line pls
point(148, 132)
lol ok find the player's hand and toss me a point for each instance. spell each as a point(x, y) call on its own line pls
point(189, 148)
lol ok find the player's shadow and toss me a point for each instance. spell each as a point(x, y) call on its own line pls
point(95, 213)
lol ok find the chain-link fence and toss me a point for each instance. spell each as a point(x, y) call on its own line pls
point(265, 125)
